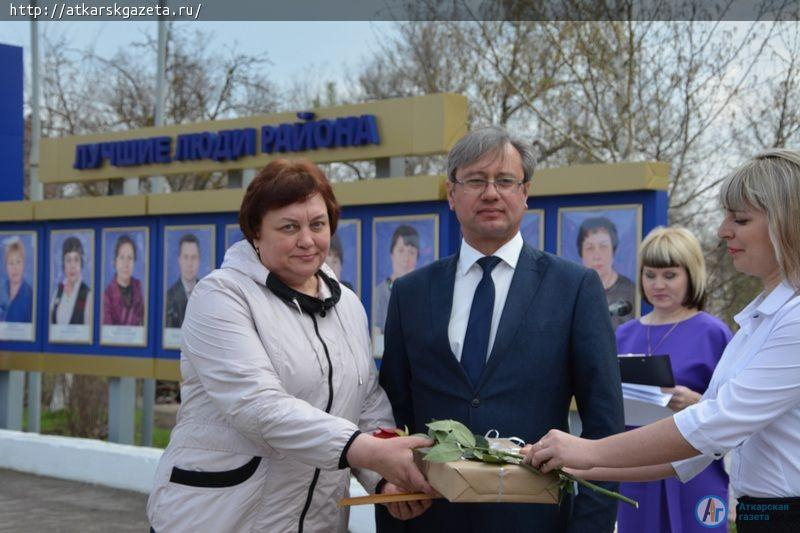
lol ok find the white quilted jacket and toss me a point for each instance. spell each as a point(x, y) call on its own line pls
point(254, 449)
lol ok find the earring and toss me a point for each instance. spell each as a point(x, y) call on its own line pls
point(258, 253)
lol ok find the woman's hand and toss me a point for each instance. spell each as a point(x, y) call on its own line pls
point(392, 459)
point(682, 397)
point(558, 449)
point(404, 510)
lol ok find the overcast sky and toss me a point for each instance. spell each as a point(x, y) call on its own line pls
point(292, 47)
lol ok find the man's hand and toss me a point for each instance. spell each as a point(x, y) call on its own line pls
point(558, 449)
point(404, 510)
point(682, 397)
point(392, 459)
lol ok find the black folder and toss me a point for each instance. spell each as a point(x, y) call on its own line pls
point(647, 370)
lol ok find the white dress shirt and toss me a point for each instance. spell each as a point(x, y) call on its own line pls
point(468, 274)
point(188, 287)
point(752, 405)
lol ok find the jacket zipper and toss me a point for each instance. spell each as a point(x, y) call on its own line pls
point(313, 485)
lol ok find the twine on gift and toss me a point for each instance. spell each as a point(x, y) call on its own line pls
point(518, 441)
point(502, 475)
point(495, 434)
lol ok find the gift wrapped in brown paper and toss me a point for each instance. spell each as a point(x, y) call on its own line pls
point(475, 481)
point(464, 467)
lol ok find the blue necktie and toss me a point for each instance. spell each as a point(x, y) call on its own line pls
point(476, 341)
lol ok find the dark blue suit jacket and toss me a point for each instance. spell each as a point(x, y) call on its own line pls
point(554, 341)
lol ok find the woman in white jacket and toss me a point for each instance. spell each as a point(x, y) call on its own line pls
point(278, 380)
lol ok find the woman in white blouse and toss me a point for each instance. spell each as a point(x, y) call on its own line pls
point(752, 405)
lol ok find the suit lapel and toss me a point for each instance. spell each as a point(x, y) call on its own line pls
point(521, 294)
point(442, 282)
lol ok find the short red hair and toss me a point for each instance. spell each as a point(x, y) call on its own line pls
point(281, 183)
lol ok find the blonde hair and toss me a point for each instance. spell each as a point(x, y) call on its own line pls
point(770, 182)
point(14, 244)
point(676, 247)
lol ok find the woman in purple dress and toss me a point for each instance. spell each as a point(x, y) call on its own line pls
point(123, 304)
point(673, 281)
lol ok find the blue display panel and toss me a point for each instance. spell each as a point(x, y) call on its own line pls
point(98, 246)
point(11, 123)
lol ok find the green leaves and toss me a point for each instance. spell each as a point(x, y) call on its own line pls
point(493, 458)
point(444, 453)
point(442, 425)
point(452, 439)
point(463, 435)
point(451, 431)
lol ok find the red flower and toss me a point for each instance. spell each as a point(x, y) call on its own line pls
point(389, 433)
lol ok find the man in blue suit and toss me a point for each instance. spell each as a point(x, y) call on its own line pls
point(500, 336)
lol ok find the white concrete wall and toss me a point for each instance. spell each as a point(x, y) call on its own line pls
point(111, 465)
point(88, 460)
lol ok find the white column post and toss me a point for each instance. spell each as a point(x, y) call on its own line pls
point(36, 192)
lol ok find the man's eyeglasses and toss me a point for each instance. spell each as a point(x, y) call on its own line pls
point(479, 185)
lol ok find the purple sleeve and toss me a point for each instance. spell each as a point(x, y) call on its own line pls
point(108, 318)
point(706, 343)
point(138, 310)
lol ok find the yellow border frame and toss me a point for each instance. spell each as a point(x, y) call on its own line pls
point(600, 178)
point(575, 179)
point(192, 202)
point(90, 207)
point(16, 211)
point(419, 125)
point(91, 365)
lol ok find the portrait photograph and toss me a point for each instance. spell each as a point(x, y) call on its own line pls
point(399, 245)
point(606, 238)
point(123, 306)
point(188, 256)
point(18, 280)
point(344, 255)
point(71, 286)
point(233, 234)
point(532, 228)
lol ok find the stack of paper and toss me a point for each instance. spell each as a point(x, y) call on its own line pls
point(644, 404)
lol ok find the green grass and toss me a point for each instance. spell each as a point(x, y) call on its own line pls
point(55, 423)
point(160, 435)
point(52, 422)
